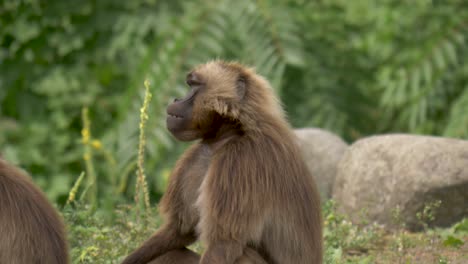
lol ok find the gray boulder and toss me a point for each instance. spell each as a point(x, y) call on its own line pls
point(322, 151)
point(379, 174)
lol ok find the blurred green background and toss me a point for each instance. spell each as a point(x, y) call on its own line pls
point(356, 68)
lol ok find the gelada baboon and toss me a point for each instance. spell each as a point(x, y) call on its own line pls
point(243, 189)
point(31, 230)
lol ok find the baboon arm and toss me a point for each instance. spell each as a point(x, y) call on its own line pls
point(178, 256)
point(179, 231)
point(166, 239)
point(251, 256)
point(222, 252)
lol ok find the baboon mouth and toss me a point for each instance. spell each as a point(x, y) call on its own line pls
point(175, 116)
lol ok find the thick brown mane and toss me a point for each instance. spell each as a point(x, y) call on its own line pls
point(31, 229)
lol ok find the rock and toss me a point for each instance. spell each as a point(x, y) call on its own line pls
point(379, 174)
point(322, 151)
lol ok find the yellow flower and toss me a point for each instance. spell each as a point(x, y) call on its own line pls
point(85, 135)
point(96, 144)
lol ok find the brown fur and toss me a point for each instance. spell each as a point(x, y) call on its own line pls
point(244, 189)
point(178, 256)
point(30, 228)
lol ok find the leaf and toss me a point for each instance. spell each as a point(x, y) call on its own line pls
point(452, 241)
point(427, 71)
point(422, 110)
point(400, 90)
point(415, 83)
point(294, 57)
point(461, 227)
point(450, 52)
point(459, 38)
point(458, 117)
point(387, 96)
point(337, 254)
point(439, 59)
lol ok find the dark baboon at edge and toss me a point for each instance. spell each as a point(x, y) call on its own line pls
point(31, 230)
point(243, 189)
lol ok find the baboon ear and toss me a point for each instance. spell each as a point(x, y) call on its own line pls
point(241, 86)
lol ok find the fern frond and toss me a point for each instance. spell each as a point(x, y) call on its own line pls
point(418, 85)
point(458, 118)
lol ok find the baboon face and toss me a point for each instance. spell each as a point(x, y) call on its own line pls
point(180, 113)
point(213, 99)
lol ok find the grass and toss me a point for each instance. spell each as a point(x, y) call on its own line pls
point(97, 239)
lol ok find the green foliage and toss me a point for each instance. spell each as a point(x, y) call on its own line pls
point(427, 215)
point(391, 66)
point(93, 238)
point(341, 235)
point(57, 57)
point(454, 236)
point(461, 227)
point(355, 67)
point(346, 242)
point(452, 241)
